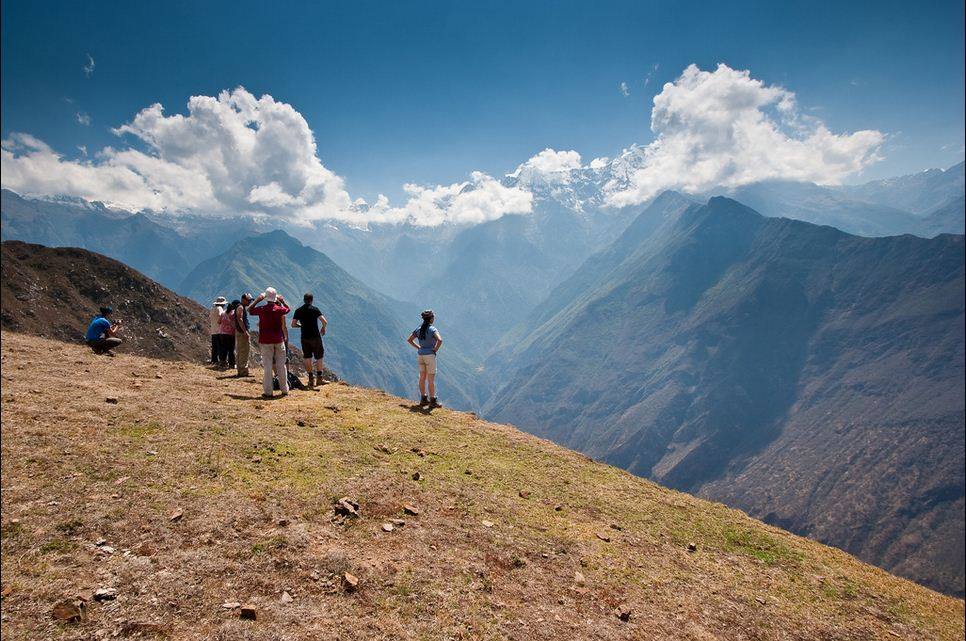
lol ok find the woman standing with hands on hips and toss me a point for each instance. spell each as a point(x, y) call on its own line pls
point(427, 341)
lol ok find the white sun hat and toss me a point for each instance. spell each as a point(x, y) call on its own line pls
point(270, 294)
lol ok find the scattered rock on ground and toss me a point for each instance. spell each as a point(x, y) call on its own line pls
point(524, 494)
point(111, 399)
point(623, 612)
point(346, 507)
point(176, 516)
point(248, 613)
point(603, 536)
point(411, 509)
point(387, 527)
point(692, 547)
point(487, 523)
point(105, 594)
point(69, 611)
point(417, 476)
point(350, 581)
point(286, 597)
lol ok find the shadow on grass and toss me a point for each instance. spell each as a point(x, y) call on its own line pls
point(257, 397)
point(418, 409)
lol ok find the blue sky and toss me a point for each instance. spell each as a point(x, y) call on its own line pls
point(430, 91)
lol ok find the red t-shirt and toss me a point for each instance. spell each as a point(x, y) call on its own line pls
point(271, 317)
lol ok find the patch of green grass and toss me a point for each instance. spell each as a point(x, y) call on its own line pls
point(759, 545)
point(59, 546)
point(11, 530)
point(139, 430)
point(268, 545)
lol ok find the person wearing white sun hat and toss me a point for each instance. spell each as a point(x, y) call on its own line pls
point(271, 338)
point(214, 326)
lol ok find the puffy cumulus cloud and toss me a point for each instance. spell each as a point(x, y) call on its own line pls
point(549, 166)
point(624, 89)
point(478, 200)
point(235, 154)
point(725, 128)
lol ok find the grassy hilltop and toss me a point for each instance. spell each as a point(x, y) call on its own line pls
point(181, 495)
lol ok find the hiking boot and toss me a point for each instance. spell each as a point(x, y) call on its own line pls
point(433, 402)
point(311, 380)
point(423, 400)
point(318, 379)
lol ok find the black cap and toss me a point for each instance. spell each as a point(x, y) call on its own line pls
point(107, 310)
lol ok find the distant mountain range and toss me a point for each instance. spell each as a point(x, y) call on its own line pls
point(155, 250)
point(808, 376)
point(919, 193)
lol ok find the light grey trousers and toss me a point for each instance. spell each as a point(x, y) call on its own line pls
point(273, 354)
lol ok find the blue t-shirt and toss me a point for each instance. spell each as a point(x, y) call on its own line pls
point(97, 328)
point(427, 344)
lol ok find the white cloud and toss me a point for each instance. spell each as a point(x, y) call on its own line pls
point(725, 128)
point(478, 200)
point(83, 118)
point(650, 74)
point(549, 166)
point(88, 67)
point(235, 154)
point(624, 89)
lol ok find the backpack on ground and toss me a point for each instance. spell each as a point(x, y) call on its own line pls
point(293, 382)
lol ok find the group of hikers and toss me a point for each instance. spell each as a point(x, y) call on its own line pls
point(231, 334)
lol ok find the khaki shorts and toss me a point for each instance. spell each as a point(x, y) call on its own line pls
point(427, 363)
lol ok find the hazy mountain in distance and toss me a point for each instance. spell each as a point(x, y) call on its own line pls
point(825, 206)
point(811, 377)
point(365, 343)
point(492, 275)
point(136, 239)
point(512, 349)
point(947, 219)
point(920, 193)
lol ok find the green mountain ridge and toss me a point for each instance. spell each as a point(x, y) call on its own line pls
point(753, 360)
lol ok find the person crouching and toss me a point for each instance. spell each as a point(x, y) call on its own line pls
point(101, 334)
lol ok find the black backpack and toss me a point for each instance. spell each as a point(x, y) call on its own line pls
point(293, 382)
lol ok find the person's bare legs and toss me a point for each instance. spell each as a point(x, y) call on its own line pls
point(422, 383)
point(432, 385)
point(308, 365)
point(319, 369)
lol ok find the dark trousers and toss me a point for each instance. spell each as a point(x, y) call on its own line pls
point(214, 347)
point(226, 349)
point(102, 345)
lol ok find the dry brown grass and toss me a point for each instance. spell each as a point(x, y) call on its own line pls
point(256, 481)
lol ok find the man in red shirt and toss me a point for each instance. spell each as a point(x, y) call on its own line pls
point(271, 338)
